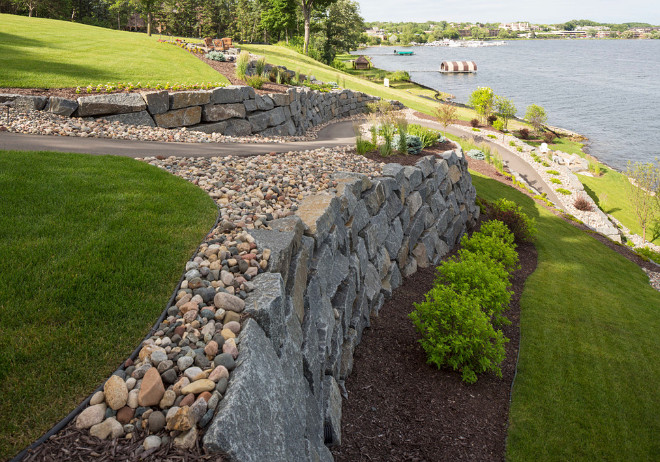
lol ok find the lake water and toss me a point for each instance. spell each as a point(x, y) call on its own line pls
point(606, 90)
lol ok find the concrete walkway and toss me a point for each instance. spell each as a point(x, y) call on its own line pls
point(337, 134)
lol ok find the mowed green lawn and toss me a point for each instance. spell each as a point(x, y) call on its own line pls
point(589, 367)
point(91, 250)
point(45, 53)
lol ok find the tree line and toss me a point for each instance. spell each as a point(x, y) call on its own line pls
point(319, 28)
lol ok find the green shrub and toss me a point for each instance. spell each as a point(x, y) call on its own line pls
point(563, 191)
point(492, 136)
point(552, 172)
point(475, 275)
point(338, 64)
point(428, 136)
point(401, 142)
point(648, 254)
point(476, 130)
point(519, 148)
point(413, 144)
point(498, 125)
point(242, 64)
point(399, 76)
point(363, 146)
point(512, 143)
point(215, 56)
point(456, 332)
point(555, 180)
point(495, 242)
point(255, 81)
point(387, 132)
point(511, 214)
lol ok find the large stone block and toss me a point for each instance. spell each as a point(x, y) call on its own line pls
point(264, 103)
point(61, 106)
point(394, 238)
point(280, 99)
point(332, 411)
point(374, 198)
point(265, 304)
point(179, 117)
point(229, 94)
point(158, 102)
point(141, 118)
point(117, 103)
point(297, 283)
point(283, 240)
point(258, 397)
point(218, 112)
point(181, 99)
point(231, 127)
point(30, 103)
point(414, 176)
point(319, 213)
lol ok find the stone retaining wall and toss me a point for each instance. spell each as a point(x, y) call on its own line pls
point(332, 266)
point(231, 110)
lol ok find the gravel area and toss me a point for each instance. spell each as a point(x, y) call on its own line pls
point(45, 123)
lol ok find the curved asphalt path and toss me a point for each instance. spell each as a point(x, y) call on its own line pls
point(337, 134)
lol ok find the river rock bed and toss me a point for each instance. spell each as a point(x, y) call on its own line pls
point(167, 395)
point(46, 123)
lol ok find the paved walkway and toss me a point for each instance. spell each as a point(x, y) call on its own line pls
point(337, 134)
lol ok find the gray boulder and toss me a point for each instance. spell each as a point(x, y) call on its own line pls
point(133, 118)
point(218, 112)
point(179, 117)
point(183, 99)
point(30, 103)
point(231, 127)
point(61, 106)
point(158, 102)
point(118, 103)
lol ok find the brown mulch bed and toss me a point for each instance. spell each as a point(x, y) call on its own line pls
point(71, 444)
point(401, 408)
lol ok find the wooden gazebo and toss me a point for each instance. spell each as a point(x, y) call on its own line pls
point(361, 63)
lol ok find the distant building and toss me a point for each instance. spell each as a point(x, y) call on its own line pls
point(376, 32)
point(516, 26)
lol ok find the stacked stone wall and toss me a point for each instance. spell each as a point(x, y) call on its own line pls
point(332, 267)
point(231, 110)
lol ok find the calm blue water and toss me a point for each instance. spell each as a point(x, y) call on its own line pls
point(607, 90)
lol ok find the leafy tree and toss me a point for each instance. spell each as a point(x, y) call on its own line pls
point(536, 116)
point(482, 100)
point(644, 192)
point(307, 6)
point(505, 109)
point(147, 8)
point(451, 33)
point(279, 17)
point(446, 114)
point(343, 28)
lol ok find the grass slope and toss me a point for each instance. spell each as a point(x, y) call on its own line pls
point(589, 365)
point(46, 53)
point(281, 56)
point(92, 248)
point(610, 192)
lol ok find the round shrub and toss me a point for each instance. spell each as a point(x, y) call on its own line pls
point(512, 215)
point(474, 123)
point(457, 333)
point(413, 142)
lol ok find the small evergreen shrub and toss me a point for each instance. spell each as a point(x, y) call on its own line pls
point(215, 56)
point(495, 242)
point(555, 180)
point(563, 191)
point(552, 172)
point(524, 133)
point(498, 125)
point(474, 123)
point(491, 136)
point(512, 143)
point(413, 144)
point(511, 214)
point(519, 148)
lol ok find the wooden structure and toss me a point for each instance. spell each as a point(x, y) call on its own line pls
point(361, 63)
point(458, 66)
point(223, 44)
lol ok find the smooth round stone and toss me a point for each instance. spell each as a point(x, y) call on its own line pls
point(198, 386)
point(184, 362)
point(125, 414)
point(165, 365)
point(202, 361)
point(156, 421)
point(168, 399)
point(169, 376)
point(115, 392)
point(109, 412)
point(151, 442)
point(192, 372)
point(129, 371)
point(221, 387)
point(204, 421)
point(121, 374)
point(219, 339)
point(158, 356)
point(233, 326)
point(207, 314)
point(130, 383)
point(139, 411)
point(225, 359)
point(214, 400)
point(97, 398)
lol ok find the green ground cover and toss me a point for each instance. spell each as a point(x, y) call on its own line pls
point(589, 365)
point(45, 53)
point(92, 248)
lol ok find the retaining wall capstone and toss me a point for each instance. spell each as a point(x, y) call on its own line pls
point(232, 110)
point(332, 266)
